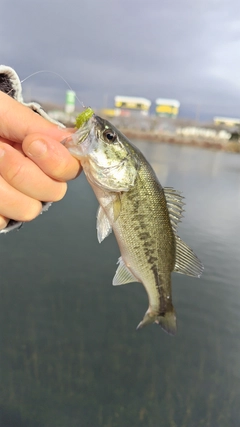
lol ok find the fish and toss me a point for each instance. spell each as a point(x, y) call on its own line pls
point(142, 214)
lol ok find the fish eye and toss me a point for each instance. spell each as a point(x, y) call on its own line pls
point(109, 135)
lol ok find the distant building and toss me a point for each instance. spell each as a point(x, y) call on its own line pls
point(226, 121)
point(126, 105)
point(167, 107)
point(109, 112)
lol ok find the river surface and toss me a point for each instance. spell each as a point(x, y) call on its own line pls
point(70, 355)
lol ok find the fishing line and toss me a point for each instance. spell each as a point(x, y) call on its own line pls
point(56, 74)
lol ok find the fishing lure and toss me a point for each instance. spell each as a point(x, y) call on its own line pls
point(84, 117)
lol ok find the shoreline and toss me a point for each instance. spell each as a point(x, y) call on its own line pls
point(133, 129)
point(199, 142)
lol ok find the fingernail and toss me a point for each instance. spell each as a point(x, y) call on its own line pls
point(2, 152)
point(37, 148)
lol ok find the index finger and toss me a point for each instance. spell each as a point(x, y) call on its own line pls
point(17, 121)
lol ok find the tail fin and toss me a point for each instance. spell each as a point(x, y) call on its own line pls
point(167, 321)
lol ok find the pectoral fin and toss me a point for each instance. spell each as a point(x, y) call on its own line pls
point(186, 260)
point(123, 274)
point(103, 225)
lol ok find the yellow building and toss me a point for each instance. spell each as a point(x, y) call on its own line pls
point(167, 107)
point(125, 105)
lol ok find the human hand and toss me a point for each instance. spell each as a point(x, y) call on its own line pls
point(34, 166)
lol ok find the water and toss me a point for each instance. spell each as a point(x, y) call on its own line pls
point(70, 354)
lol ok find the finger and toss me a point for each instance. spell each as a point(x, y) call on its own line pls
point(18, 147)
point(6, 141)
point(3, 222)
point(51, 156)
point(17, 121)
point(26, 177)
point(16, 205)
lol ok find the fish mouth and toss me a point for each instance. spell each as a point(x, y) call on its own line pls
point(79, 144)
point(99, 120)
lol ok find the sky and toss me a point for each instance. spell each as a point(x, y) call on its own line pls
point(182, 49)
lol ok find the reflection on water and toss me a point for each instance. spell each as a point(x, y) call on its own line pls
point(70, 354)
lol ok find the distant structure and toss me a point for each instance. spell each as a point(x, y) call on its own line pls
point(128, 105)
point(70, 102)
point(167, 107)
point(109, 112)
point(226, 121)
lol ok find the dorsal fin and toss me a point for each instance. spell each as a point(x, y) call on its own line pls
point(186, 261)
point(175, 206)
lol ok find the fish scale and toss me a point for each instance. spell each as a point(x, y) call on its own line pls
point(150, 251)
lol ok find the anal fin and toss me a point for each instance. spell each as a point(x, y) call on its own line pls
point(123, 275)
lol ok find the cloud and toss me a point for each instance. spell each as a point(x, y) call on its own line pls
point(182, 49)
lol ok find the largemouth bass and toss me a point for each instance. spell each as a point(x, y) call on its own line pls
point(142, 214)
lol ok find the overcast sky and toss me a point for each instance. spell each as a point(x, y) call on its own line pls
point(183, 49)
